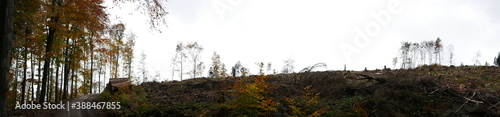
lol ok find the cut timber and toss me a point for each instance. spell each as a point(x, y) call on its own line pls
point(116, 83)
point(379, 80)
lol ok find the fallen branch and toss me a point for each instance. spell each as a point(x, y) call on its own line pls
point(379, 80)
point(495, 105)
point(475, 101)
point(434, 91)
point(461, 107)
point(467, 100)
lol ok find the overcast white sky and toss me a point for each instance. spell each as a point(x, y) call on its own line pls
point(314, 31)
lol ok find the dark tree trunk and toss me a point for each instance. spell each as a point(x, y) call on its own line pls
point(16, 75)
point(25, 65)
point(32, 77)
point(48, 49)
point(38, 88)
point(194, 69)
point(66, 72)
point(6, 35)
point(50, 40)
point(91, 65)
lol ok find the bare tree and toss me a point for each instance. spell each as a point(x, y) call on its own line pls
point(236, 69)
point(143, 68)
point(117, 34)
point(404, 51)
point(429, 45)
point(239, 70)
point(423, 53)
point(261, 67)
point(414, 54)
point(394, 62)
point(289, 67)
point(451, 55)
point(438, 47)
point(194, 53)
point(414, 49)
point(269, 67)
point(128, 54)
point(179, 59)
point(476, 58)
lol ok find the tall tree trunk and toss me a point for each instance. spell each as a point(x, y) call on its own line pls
point(100, 70)
point(32, 77)
point(66, 72)
point(194, 69)
point(73, 80)
point(182, 61)
point(38, 87)
point(103, 78)
point(48, 49)
point(28, 94)
point(130, 66)
point(117, 59)
point(16, 75)
point(91, 66)
point(71, 77)
point(71, 87)
point(56, 98)
point(85, 76)
point(50, 40)
point(6, 35)
point(49, 87)
point(173, 73)
point(61, 86)
point(25, 65)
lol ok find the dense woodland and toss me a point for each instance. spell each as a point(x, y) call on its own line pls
point(61, 49)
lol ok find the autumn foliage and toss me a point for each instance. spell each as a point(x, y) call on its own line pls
point(252, 98)
point(306, 105)
point(62, 49)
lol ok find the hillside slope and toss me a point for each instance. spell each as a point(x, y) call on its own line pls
point(424, 91)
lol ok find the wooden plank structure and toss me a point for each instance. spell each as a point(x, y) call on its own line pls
point(115, 83)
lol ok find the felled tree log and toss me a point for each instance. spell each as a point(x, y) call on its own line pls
point(379, 80)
